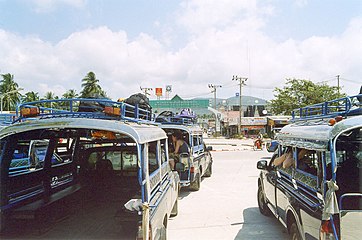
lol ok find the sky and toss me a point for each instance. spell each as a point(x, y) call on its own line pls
point(50, 45)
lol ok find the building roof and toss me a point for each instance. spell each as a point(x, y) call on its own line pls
point(246, 101)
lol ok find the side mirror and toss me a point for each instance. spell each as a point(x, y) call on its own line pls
point(209, 148)
point(180, 167)
point(262, 164)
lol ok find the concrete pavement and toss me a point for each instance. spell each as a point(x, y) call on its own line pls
point(226, 207)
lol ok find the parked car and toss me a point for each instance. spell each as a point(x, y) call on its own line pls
point(198, 163)
point(97, 174)
point(317, 195)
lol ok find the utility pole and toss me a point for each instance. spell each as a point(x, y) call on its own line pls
point(242, 81)
point(145, 90)
point(338, 83)
point(214, 87)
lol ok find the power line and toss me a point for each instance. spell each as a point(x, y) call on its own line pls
point(214, 87)
point(348, 80)
point(242, 81)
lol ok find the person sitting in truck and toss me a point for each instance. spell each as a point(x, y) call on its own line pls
point(180, 146)
point(286, 159)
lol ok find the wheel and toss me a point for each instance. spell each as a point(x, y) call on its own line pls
point(163, 232)
point(208, 171)
point(174, 210)
point(294, 232)
point(263, 207)
point(195, 186)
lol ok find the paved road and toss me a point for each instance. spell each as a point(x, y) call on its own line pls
point(226, 207)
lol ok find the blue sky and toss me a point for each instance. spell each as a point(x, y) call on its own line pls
point(50, 45)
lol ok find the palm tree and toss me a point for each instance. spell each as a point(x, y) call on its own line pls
point(91, 87)
point(50, 96)
point(9, 85)
point(70, 94)
point(31, 97)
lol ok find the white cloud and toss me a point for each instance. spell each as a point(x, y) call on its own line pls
point(199, 15)
point(212, 55)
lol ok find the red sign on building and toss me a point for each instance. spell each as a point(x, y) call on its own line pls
point(158, 92)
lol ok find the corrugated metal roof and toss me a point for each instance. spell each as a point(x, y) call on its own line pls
point(141, 133)
point(315, 134)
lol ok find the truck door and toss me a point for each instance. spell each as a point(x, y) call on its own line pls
point(270, 184)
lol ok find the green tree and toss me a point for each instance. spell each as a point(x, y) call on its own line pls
point(299, 93)
point(70, 94)
point(31, 97)
point(91, 87)
point(50, 96)
point(10, 92)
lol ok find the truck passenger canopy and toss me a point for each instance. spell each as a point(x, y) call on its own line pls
point(74, 182)
point(349, 167)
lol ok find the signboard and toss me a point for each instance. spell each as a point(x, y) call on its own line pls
point(253, 121)
point(179, 104)
point(158, 92)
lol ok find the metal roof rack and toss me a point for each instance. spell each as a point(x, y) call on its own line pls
point(346, 106)
point(6, 118)
point(82, 108)
point(176, 120)
point(185, 117)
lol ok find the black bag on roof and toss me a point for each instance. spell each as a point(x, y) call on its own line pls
point(93, 106)
point(140, 99)
point(143, 102)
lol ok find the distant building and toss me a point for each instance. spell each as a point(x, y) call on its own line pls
point(254, 119)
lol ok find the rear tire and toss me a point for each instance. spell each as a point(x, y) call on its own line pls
point(208, 171)
point(195, 186)
point(263, 206)
point(294, 232)
point(163, 232)
point(174, 210)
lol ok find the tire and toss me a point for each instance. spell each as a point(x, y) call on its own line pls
point(294, 232)
point(208, 171)
point(163, 232)
point(263, 207)
point(174, 210)
point(195, 185)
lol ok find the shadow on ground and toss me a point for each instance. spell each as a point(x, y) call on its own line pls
point(257, 226)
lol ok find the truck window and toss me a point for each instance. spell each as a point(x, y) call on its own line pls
point(21, 161)
point(309, 168)
point(195, 141)
point(163, 151)
point(153, 165)
point(129, 160)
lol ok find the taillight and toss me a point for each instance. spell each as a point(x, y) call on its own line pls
point(326, 226)
point(192, 170)
point(326, 231)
